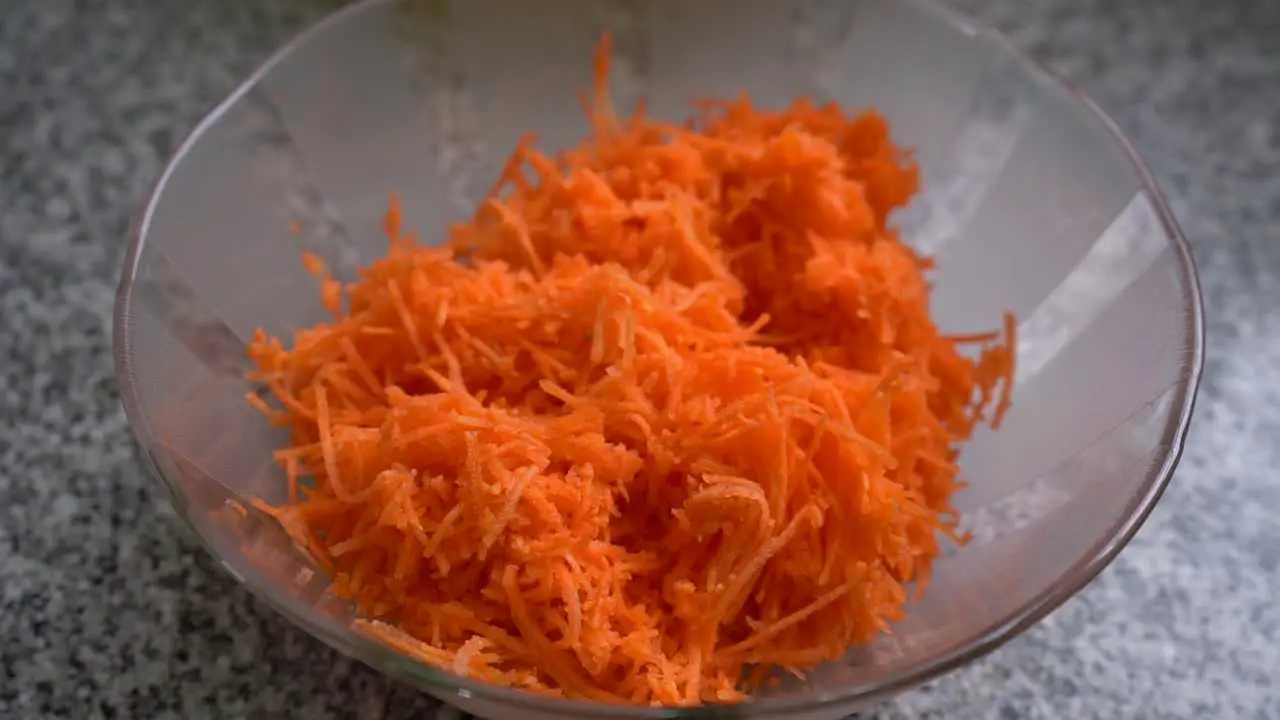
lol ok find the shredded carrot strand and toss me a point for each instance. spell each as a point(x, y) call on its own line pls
point(668, 411)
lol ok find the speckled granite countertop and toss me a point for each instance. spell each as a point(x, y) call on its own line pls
point(106, 613)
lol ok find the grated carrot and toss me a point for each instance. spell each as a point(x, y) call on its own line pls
point(669, 407)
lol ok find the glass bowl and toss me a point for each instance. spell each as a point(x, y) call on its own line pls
point(1033, 203)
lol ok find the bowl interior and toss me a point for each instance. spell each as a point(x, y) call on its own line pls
point(1031, 204)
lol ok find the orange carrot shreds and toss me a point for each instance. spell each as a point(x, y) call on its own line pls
point(668, 412)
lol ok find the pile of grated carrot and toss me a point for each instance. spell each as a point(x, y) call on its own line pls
point(668, 413)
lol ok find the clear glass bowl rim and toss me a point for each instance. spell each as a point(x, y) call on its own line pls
point(976, 646)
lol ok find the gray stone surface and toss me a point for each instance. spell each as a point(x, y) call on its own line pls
point(107, 612)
